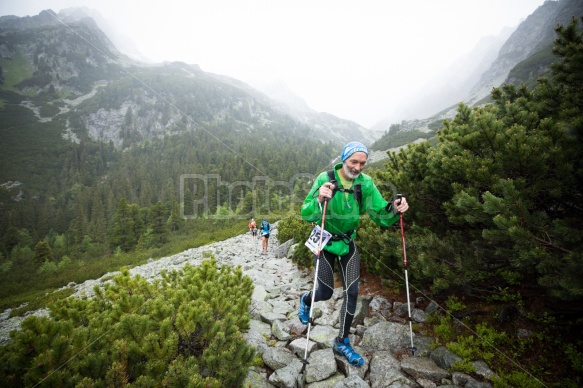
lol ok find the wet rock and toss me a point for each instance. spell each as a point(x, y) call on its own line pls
point(423, 368)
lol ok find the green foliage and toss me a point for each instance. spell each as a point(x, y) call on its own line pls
point(22, 255)
point(575, 357)
point(50, 267)
point(16, 237)
point(183, 329)
point(380, 251)
point(444, 330)
point(23, 284)
point(5, 266)
point(495, 203)
point(47, 267)
point(127, 226)
point(481, 346)
point(463, 366)
point(42, 301)
point(533, 67)
point(504, 295)
point(86, 243)
point(157, 218)
point(15, 70)
point(497, 347)
point(517, 379)
point(293, 227)
point(42, 252)
point(65, 262)
point(453, 304)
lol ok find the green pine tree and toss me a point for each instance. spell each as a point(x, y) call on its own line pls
point(127, 226)
point(42, 252)
point(158, 222)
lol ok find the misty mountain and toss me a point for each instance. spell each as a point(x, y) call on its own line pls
point(331, 128)
point(121, 42)
point(454, 83)
point(519, 56)
point(70, 56)
point(529, 38)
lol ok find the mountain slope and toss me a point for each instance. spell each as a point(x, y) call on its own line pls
point(524, 42)
point(342, 130)
point(524, 56)
point(170, 93)
point(454, 83)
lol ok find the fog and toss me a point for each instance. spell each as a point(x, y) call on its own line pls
point(363, 61)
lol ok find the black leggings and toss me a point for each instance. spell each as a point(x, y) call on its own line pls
point(349, 273)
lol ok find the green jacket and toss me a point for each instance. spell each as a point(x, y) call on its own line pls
point(343, 214)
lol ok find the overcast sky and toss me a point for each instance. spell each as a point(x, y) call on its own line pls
point(358, 60)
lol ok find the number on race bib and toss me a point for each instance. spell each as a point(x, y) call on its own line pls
point(314, 239)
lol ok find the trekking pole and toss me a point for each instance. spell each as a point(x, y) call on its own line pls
point(412, 348)
point(310, 320)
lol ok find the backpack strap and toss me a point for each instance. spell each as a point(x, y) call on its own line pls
point(358, 195)
point(356, 191)
point(332, 179)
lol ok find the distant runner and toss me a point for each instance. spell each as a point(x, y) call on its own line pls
point(265, 231)
point(253, 226)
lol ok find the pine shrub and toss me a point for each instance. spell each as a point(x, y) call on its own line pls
point(293, 227)
point(496, 202)
point(184, 329)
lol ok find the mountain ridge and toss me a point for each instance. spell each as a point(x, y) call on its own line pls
point(337, 130)
point(525, 44)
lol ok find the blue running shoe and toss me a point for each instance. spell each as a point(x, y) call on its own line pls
point(346, 350)
point(304, 310)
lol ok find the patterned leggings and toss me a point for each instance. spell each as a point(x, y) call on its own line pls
point(350, 274)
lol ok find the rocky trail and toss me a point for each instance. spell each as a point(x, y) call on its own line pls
point(380, 331)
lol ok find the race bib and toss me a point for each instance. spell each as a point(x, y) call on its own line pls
point(314, 240)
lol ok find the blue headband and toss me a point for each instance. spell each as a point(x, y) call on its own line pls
point(351, 148)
